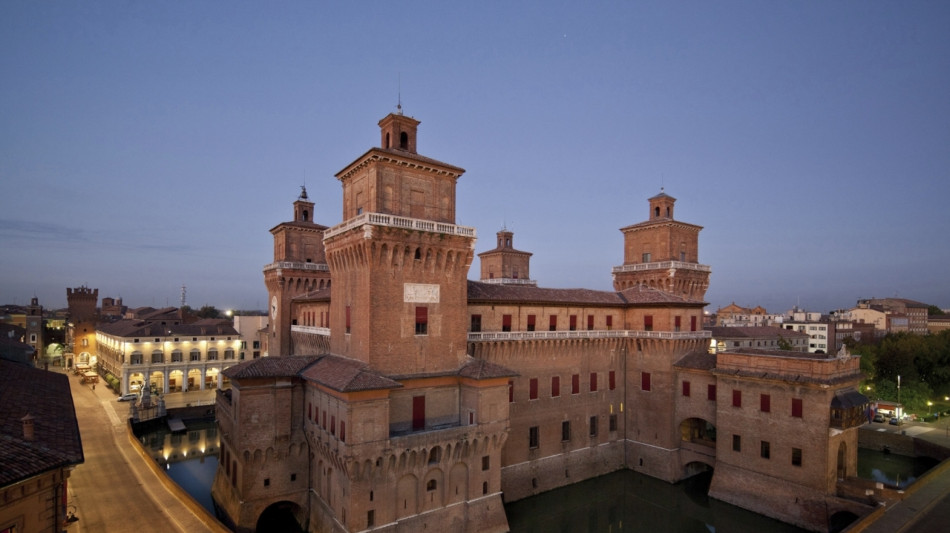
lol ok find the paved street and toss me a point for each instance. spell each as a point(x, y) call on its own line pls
point(113, 491)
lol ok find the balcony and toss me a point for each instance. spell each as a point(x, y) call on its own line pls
point(390, 221)
point(662, 265)
point(298, 265)
point(509, 281)
point(586, 334)
point(310, 330)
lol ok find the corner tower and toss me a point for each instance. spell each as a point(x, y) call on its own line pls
point(504, 264)
point(399, 261)
point(299, 267)
point(662, 253)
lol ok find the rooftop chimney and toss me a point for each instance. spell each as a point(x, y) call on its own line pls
point(27, 427)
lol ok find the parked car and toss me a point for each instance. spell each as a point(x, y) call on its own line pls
point(893, 421)
point(128, 397)
point(879, 418)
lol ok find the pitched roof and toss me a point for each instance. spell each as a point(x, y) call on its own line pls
point(697, 360)
point(527, 294)
point(133, 327)
point(744, 332)
point(346, 375)
point(270, 367)
point(46, 397)
point(482, 369)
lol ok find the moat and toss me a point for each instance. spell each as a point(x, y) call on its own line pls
point(621, 501)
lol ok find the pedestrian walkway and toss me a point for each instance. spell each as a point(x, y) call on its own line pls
point(117, 489)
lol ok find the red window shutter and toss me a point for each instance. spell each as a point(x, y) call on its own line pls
point(531, 322)
point(576, 384)
point(692, 323)
point(593, 381)
point(736, 398)
point(612, 378)
point(422, 315)
point(573, 322)
point(610, 321)
point(590, 321)
point(342, 431)
point(648, 322)
point(555, 386)
point(797, 407)
point(711, 392)
point(347, 319)
point(533, 389)
point(511, 391)
point(645, 381)
point(506, 322)
point(765, 402)
point(333, 425)
point(677, 321)
point(685, 388)
point(418, 413)
point(553, 323)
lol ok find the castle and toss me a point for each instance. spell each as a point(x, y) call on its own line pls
point(401, 396)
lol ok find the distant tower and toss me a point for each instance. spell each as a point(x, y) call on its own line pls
point(504, 264)
point(81, 328)
point(663, 253)
point(34, 327)
point(299, 267)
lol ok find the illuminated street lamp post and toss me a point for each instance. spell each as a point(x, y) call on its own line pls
point(899, 417)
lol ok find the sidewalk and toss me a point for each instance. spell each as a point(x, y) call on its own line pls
point(116, 489)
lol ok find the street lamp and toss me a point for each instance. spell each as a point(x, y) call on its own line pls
point(899, 417)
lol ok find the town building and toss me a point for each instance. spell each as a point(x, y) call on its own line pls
point(400, 396)
point(892, 315)
point(165, 354)
point(41, 446)
point(81, 326)
point(757, 337)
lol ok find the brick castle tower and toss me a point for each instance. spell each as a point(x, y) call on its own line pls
point(299, 266)
point(83, 317)
point(662, 253)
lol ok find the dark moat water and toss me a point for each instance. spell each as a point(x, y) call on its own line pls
point(623, 501)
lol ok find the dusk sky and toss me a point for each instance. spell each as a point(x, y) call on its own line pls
point(150, 145)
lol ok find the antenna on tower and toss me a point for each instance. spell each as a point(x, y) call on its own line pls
point(183, 290)
point(399, 93)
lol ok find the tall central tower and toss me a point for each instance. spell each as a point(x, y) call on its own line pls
point(398, 260)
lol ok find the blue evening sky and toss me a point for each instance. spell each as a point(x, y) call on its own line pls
point(150, 145)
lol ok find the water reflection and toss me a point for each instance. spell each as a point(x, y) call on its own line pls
point(628, 501)
point(895, 471)
point(190, 457)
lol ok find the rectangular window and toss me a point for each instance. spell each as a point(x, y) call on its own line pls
point(552, 324)
point(422, 320)
point(676, 323)
point(576, 384)
point(711, 392)
point(418, 413)
point(348, 319)
point(645, 381)
point(342, 431)
point(506, 322)
point(573, 323)
point(764, 450)
point(613, 422)
point(685, 388)
point(692, 323)
point(593, 381)
point(566, 430)
point(590, 322)
point(736, 398)
point(511, 391)
point(648, 323)
point(736, 443)
point(370, 518)
point(612, 380)
point(610, 321)
point(533, 389)
point(476, 323)
point(531, 323)
point(533, 437)
point(333, 424)
point(765, 403)
point(796, 456)
point(645, 257)
point(485, 462)
point(555, 386)
point(797, 407)
point(593, 426)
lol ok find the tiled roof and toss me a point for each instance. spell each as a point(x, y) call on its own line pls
point(299, 224)
point(270, 367)
point(132, 327)
point(404, 154)
point(46, 397)
point(697, 360)
point(481, 369)
point(346, 375)
point(317, 295)
point(743, 332)
point(527, 294)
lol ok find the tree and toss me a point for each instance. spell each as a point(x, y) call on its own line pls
point(934, 310)
point(208, 311)
point(783, 343)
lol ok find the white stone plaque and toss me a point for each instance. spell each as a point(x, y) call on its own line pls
point(420, 293)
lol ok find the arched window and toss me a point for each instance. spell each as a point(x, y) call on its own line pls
point(656, 212)
point(404, 140)
point(431, 485)
point(388, 144)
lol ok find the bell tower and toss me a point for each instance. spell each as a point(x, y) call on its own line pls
point(662, 253)
point(504, 264)
point(399, 262)
point(299, 267)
